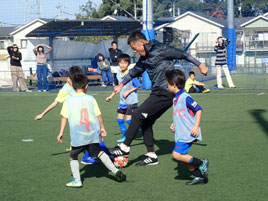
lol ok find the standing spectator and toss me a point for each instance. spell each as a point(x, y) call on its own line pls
point(104, 67)
point(16, 69)
point(42, 70)
point(221, 62)
point(114, 53)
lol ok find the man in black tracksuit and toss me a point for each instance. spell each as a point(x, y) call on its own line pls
point(156, 58)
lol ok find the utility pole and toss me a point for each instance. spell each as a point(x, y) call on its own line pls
point(26, 13)
point(135, 10)
point(148, 31)
point(231, 48)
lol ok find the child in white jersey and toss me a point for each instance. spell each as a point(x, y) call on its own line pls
point(128, 96)
point(86, 129)
point(186, 120)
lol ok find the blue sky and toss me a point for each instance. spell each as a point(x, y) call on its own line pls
point(12, 12)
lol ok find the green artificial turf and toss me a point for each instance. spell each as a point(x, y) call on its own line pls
point(235, 135)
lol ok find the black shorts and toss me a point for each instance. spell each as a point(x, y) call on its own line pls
point(93, 149)
point(129, 110)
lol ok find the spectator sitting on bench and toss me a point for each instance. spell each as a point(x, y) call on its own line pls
point(193, 86)
point(106, 75)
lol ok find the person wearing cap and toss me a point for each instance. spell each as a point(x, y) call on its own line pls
point(17, 75)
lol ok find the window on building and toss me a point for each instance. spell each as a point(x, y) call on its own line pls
point(2, 45)
point(23, 43)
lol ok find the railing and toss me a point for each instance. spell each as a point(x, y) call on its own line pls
point(256, 45)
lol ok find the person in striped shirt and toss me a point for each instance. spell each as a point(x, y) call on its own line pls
point(221, 62)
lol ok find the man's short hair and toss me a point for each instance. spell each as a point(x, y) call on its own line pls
point(135, 36)
point(74, 70)
point(191, 73)
point(114, 42)
point(176, 77)
point(79, 81)
point(124, 57)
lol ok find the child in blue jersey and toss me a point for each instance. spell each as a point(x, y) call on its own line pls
point(66, 91)
point(128, 95)
point(86, 129)
point(186, 120)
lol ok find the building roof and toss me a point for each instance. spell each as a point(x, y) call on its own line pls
point(42, 20)
point(253, 20)
point(112, 17)
point(209, 18)
point(85, 28)
point(5, 31)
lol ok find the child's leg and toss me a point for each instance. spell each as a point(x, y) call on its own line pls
point(190, 162)
point(75, 167)
point(121, 123)
point(128, 119)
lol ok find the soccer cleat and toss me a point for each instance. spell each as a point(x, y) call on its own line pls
point(89, 161)
point(116, 151)
point(197, 180)
point(221, 87)
point(206, 91)
point(204, 168)
point(69, 149)
point(120, 176)
point(122, 139)
point(147, 161)
point(74, 184)
point(233, 86)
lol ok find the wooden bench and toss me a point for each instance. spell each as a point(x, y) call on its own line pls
point(58, 79)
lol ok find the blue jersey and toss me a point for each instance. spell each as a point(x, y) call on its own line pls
point(184, 117)
point(83, 122)
point(133, 97)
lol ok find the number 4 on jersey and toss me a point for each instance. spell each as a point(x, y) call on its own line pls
point(84, 118)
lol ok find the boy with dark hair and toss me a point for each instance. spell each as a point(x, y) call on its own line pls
point(86, 129)
point(155, 58)
point(186, 120)
point(66, 91)
point(128, 95)
point(192, 86)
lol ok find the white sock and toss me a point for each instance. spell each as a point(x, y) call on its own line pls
point(124, 147)
point(75, 169)
point(107, 162)
point(151, 155)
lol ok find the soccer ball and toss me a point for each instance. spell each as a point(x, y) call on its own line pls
point(120, 161)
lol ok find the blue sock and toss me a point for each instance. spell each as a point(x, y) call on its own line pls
point(122, 125)
point(86, 155)
point(102, 145)
point(128, 121)
point(191, 161)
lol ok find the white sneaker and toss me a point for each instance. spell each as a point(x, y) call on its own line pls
point(44, 90)
point(221, 87)
point(103, 85)
point(28, 90)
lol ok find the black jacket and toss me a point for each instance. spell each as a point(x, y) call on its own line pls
point(14, 62)
point(114, 56)
point(159, 58)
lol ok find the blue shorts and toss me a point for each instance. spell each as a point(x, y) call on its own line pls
point(182, 147)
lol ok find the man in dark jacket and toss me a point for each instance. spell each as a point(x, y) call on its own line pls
point(156, 58)
point(114, 54)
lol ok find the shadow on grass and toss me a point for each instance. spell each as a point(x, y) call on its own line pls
point(95, 170)
point(65, 152)
point(183, 172)
point(258, 115)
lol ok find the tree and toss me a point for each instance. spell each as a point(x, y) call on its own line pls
point(246, 8)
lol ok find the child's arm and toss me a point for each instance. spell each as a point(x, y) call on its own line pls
point(195, 129)
point(109, 98)
point(198, 83)
point(172, 128)
point(126, 93)
point(50, 107)
point(62, 127)
point(102, 129)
